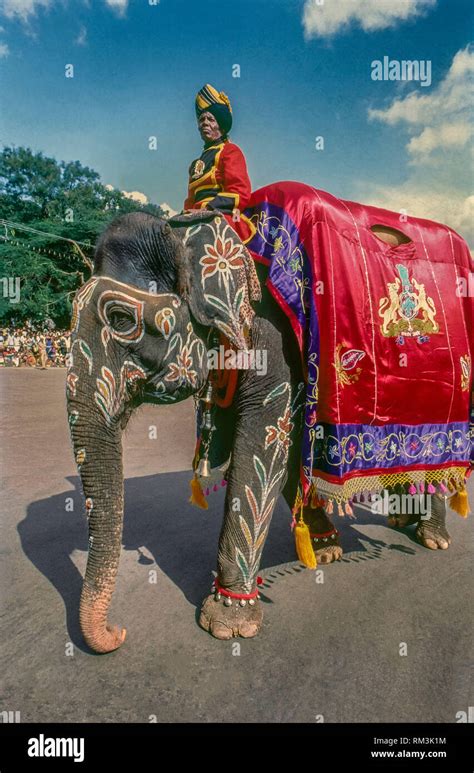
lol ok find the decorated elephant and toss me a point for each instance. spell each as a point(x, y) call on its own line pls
point(168, 297)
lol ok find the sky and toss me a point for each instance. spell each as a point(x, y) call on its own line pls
point(305, 71)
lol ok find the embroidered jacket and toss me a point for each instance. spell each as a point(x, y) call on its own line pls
point(218, 179)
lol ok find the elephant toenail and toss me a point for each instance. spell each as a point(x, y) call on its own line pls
point(248, 630)
point(221, 631)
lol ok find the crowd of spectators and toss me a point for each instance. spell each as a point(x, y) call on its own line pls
point(34, 346)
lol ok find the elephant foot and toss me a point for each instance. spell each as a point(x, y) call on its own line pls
point(225, 622)
point(324, 537)
point(433, 535)
point(402, 520)
point(430, 532)
point(328, 555)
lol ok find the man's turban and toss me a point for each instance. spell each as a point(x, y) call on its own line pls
point(209, 100)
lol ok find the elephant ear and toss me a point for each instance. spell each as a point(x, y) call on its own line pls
point(217, 274)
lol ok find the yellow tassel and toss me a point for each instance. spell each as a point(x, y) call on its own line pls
point(459, 502)
point(197, 497)
point(304, 548)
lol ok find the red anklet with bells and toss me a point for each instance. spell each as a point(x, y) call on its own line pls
point(242, 598)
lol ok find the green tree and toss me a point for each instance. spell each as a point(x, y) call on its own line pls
point(51, 214)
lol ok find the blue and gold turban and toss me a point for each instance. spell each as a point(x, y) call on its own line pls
point(209, 100)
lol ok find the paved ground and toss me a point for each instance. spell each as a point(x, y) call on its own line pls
point(328, 648)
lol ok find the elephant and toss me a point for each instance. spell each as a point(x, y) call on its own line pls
point(160, 295)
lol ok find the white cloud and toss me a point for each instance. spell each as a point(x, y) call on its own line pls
point(136, 196)
point(4, 50)
point(22, 9)
point(444, 136)
point(119, 6)
point(323, 18)
point(439, 121)
point(445, 205)
point(439, 127)
point(169, 211)
point(25, 9)
point(81, 39)
point(450, 100)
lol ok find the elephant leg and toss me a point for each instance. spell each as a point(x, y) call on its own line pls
point(256, 476)
point(324, 535)
point(431, 530)
point(430, 522)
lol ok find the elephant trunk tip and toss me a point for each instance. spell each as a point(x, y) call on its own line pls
point(98, 634)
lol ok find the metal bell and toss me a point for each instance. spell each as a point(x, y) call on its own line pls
point(243, 602)
point(228, 602)
point(252, 602)
point(207, 421)
point(217, 597)
point(204, 468)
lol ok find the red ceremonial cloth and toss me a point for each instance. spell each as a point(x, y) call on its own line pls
point(385, 334)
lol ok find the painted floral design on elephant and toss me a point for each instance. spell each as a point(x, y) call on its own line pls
point(181, 369)
point(262, 503)
point(228, 279)
point(80, 301)
point(85, 350)
point(109, 396)
point(71, 383)
point(165, 321)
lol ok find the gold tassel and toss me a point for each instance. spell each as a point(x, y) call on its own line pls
point(304, 548)
point(459, 502)
point(197, 497)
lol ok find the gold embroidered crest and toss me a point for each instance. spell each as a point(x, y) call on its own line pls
point(407, 310)
point(198, 169)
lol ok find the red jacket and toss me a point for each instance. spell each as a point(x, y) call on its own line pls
point(218, 179)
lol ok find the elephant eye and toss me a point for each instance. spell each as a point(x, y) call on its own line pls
point(120, 319)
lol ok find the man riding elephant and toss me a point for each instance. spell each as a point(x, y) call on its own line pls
point(218, 179)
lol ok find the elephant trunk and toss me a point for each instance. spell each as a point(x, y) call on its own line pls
point(98, 451)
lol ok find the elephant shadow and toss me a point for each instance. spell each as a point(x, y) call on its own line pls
point(164, 530)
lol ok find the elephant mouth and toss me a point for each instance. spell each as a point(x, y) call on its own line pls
point(157, 395)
